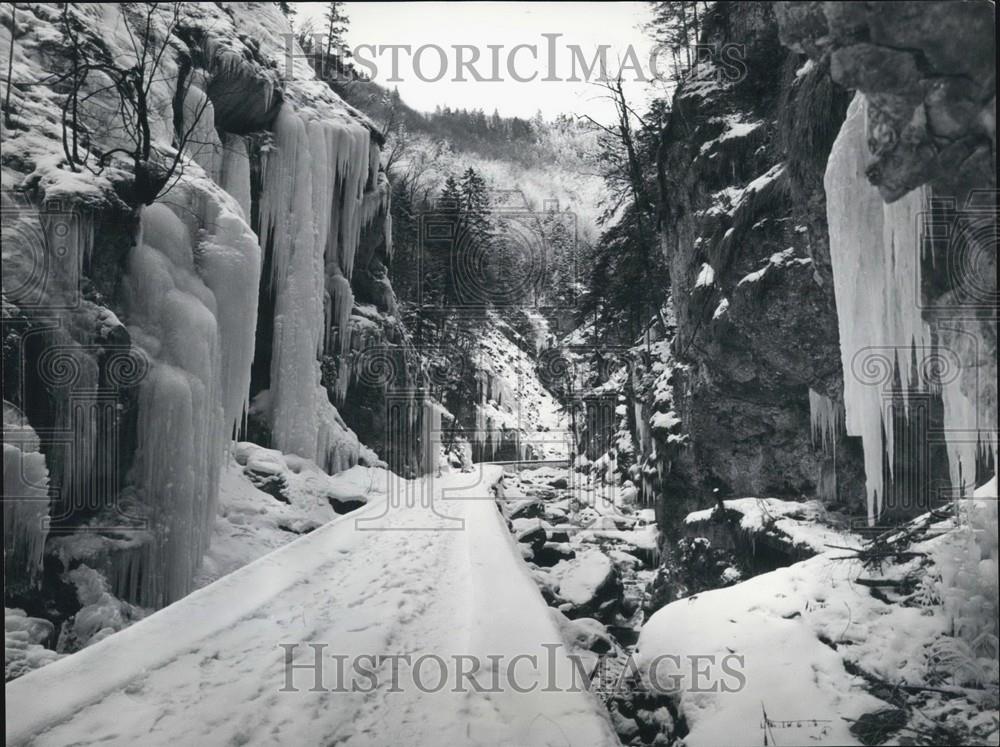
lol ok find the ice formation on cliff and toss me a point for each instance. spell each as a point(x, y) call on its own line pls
point(192, 280)
point(875, 251)
point(26, 497)
point(311, 216)
point(181, 416)
point(825, 421)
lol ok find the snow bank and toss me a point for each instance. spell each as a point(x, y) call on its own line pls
point(252, 523)
point(801, 522)
point(803, 629)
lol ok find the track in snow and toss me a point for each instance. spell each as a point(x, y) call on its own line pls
point(208, 669)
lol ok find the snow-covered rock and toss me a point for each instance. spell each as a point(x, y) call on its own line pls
point(23, 643)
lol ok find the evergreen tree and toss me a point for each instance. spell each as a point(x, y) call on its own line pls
point(677, 26)
point(475, 205)
point(338, 54)
point(441, 252)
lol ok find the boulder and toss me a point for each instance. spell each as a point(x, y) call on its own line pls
point(530, 509)
point(530, 532)
point(272, 483)
point(589, 586)
point(552, 552)
point(555, 514)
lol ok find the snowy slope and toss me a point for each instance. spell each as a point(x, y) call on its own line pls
point(519, 400)
point(807, 631)
point(359, 592)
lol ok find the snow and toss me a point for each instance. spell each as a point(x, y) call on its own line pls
point(583, 576)
point(721, 309)
point(252, 523)
point(664, 420)
point(774, 621)
point(802, 522)
point(734, 128)
point(706, 276)
point(778, 259)
point(787, 670)
point(360, 592)
point(805, 68)
point(513, 401)
point(24, 637)
point(800, 628)
point(726, 201)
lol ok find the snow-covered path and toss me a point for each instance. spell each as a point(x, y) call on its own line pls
point(209, 669)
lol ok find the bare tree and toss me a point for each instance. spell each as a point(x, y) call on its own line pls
point(130, 88)
point(621, 149)
point(8, 118)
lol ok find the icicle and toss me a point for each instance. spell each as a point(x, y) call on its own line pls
point(198, 123)
point(311, 210)
point(387, 227)
point(374, 157)
point(960, 417)
point(287, 210)
point(341, 303)
point(874, 251)
point(431, 456)
point(337, 447)
point(825, 419)
point(181, 416)
point(235, 177)
point(229, 263)
point(25, 498)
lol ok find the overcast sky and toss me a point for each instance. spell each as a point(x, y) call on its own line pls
point(506, 25)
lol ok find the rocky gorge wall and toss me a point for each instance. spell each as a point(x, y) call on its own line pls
point(143, 332)
point(913, 204)
point(834, 322)
point(756, 346)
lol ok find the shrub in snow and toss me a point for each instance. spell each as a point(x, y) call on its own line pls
point(967, 586)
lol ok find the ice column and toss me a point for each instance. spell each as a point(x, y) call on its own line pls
point(26, 498)
point(875, 251)
point(181, 413)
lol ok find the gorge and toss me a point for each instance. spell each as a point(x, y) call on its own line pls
point(289, 363)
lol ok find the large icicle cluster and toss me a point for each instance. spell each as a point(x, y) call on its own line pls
point(825, 420)
point(875, 253)
point(319, 191)
point(180, 405)
point(191, 296)
point(26, 498)
point(192, 280)
point(886, 346)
